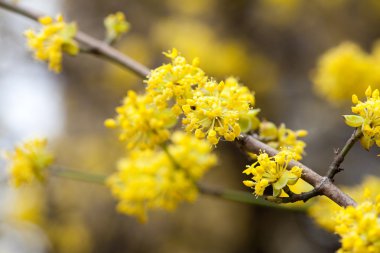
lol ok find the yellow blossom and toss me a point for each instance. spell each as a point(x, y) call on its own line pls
point(193, 155)
point(150, 180)
point(324, 210)
point(175, 80)
point(367, 118)
point(55, 37)
point(272, 171)
point(141, 123)
point(344, 70)
point(29, 162)
point(216, 108)
point(116, 26)
point(283, 138)
point(359, 227)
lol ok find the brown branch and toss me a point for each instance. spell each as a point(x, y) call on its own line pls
point(322, 185)
point(93, 46)
point(334, 167)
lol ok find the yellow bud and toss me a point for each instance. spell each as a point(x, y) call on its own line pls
point(45, 20)
point(110, 123)
point(355, 99)
point(248, 183)
point(368, 92)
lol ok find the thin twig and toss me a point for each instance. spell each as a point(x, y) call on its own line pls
point(334, 167)
point(93, 46)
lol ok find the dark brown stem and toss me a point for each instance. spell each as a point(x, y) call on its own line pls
point(334, 167)
point(93, 46)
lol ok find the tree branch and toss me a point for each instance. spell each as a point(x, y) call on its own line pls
point(93, 46)
point(323, 185)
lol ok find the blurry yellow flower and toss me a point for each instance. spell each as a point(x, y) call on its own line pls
point(149, 180)
point(116, 26)
point(283, 138)
point(359, 227)
point(220, 56)
point(55, 37)
point(141, 123)
point(272, 171)
point(215, 109)
point(367, 118)
point(344, 70)
point(324, 210)
point(193, 155)
point(29, 162)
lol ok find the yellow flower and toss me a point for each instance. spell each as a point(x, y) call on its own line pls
point(272, 171)
point(367, 118)
point(29, 162)
point(141, 123)
point(193, 155)
point(150, 180)
point(359, 227)
point(215, 110)
point(55, 37)
point(283, 138)
point(344, 70)
point(116, 26)
point(323, 210)
point(175, 80)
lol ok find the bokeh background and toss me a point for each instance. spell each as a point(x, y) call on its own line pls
point(271, 45)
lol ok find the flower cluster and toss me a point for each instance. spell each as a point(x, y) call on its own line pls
point(367, 118)
point(176, 80)
point(359, 227)
point(116, 26)
point(142, 125)
point(283, 138)
point(29, 162)
point(345, 70)
point(215, 110)
point(150, 180)
point(211, 109)
point(55, 38)
point(272, 171)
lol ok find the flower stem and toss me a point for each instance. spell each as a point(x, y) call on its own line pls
point(78, 175)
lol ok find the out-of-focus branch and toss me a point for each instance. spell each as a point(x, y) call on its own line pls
point(322, 185)
point(92, 45)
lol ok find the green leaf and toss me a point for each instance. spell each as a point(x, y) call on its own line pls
point(245, 124)
point(353, 120)
point(282, 181)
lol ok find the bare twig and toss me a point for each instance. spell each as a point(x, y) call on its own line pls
point(334, 167)
point(93, 46)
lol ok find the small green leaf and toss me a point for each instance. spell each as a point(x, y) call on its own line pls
point(245, 124)
point(281, 182)
point(353, 120)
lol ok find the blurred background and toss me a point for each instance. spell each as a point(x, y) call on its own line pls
point(273, 46)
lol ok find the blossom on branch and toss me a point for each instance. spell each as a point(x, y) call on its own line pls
point(367, 118)
point(272, 171)
point(29, 162)
point(150, 179)
point(55, 37)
